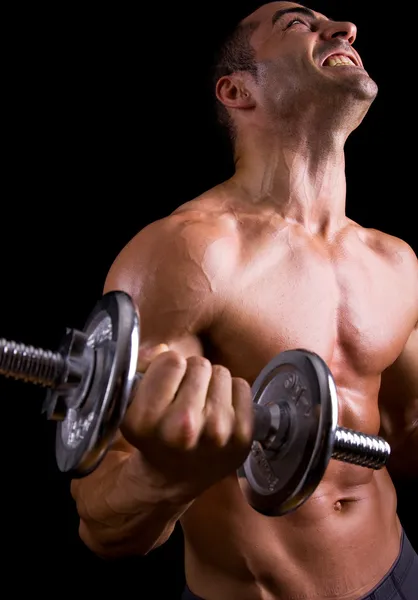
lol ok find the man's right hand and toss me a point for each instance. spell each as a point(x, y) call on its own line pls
point(191, 420)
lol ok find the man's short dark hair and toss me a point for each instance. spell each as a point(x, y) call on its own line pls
point(234, 54)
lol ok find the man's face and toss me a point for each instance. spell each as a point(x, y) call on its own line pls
point(298, 49)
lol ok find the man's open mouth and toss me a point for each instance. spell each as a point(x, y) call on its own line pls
point(339, 60)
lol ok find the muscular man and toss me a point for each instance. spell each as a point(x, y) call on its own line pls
point(264, 262)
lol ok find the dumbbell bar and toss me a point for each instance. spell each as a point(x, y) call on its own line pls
point(90, 382)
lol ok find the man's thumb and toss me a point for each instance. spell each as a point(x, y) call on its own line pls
point(147, 354)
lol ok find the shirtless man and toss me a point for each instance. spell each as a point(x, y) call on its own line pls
point(264, 262)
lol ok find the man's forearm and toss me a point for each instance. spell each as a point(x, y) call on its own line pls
point(121, 512)
point(136, 537)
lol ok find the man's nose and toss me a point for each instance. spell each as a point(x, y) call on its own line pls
point(339, 29)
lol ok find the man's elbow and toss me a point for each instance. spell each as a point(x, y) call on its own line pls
point(107, 547)
point(91, 542)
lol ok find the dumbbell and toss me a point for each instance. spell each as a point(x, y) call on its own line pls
point(90, 382)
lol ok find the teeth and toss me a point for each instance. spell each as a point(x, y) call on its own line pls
point(338, 60)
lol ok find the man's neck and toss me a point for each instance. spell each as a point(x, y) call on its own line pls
point(301, 176)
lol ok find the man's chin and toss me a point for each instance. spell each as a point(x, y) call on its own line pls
point(361, 85)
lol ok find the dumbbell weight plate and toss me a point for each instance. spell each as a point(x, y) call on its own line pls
point(280, 481)
point(83, 437)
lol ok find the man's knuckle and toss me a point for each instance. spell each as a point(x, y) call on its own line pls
point(199, 362)
point(221, 372)
point(173, 360)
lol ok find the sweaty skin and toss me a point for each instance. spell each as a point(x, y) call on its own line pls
point(265, 262)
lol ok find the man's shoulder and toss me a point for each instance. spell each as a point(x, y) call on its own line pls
point(389, 246)
point(398, 255)
point(190, 226)
point(198, 222)
point(197, 239)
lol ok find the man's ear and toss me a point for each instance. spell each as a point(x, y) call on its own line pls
point(233, 92)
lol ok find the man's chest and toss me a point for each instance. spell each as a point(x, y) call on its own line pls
point(355, 310)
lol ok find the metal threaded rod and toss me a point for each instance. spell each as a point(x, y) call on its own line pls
point(349, 446)
point(46, 368)
point(360, 449)
point(30, 364)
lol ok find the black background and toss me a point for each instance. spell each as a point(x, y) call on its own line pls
point(107, 125)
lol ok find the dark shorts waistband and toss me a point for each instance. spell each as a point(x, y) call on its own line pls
point(400, 583)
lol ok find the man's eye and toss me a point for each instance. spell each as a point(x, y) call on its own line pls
point(293, 21)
